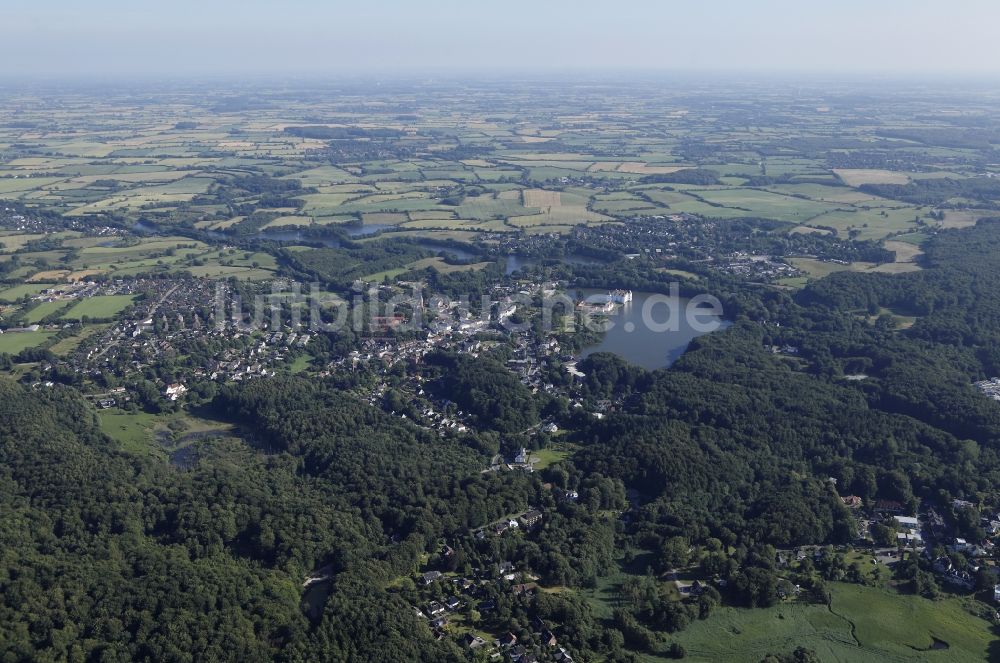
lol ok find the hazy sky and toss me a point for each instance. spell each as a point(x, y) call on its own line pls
point(117, 37)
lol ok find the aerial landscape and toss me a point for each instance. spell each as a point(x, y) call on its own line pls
point(330, 352)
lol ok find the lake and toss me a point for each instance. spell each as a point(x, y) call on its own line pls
point(636, 342)
point(354, 230)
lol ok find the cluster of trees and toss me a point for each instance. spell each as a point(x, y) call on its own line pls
point(734, 451)
point(937, 191)
point(341, 266)
point(485, 389)
point(149, 562)
point(702, 176)
point(737, 447)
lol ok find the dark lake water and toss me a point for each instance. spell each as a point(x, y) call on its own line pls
point(367, 229)
point(637, 342)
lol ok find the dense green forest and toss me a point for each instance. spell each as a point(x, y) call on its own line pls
point(732, 452)
point(109, 557)
point(739, 443)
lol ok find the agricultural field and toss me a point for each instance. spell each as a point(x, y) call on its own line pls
point(46, 309)
point(99, 307)
point(24, 290)
point(13, 343)
point(130, 217)
point(858, 176)
point(179, 164)
point(861, 624)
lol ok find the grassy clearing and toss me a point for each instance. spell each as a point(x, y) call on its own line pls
point(862, 624)
point(767, 204)
point(300, 364)
point(15, 343)
point(952, 218)
point(11, 243)
point(133, 431)
point(45, 309)
point(870, 224)
point(679, 272)
point(137, 432)
point(550, 455)
point(902, 321)
point(17, 292)
point(859, 176)
point(819, 268)
point(829, 194)
point(106, 306)
point(440, 265)
point(905, 251)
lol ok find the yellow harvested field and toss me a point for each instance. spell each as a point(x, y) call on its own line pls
point(222, 225)
point(49, 276)
point(600, 166)
point(896, 268)
point(645, 169)
point(859, 176)
point(958, 219)
point(13, 243)
point(539, 198)
point(905, 252)
point(809, 230)
point(81, 274)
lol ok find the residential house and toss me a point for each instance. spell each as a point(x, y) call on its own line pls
point(889, 506)
point(531, 518)
point(508, 639)
point(852, 501)
point(473, 641)
point(175, 391)
point(563, 656)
